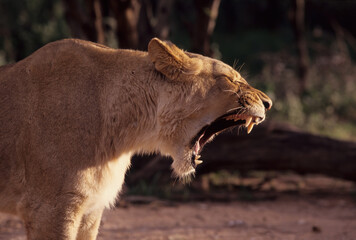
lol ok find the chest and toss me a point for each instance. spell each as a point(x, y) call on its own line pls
point(109, 183)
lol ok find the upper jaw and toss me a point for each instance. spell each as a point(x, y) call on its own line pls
point(250, 120)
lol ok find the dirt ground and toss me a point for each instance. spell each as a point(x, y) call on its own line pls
point(286, 217)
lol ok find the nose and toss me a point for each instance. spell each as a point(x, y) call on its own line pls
point(267, 103)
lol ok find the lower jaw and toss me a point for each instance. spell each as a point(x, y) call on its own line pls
point(181, 167)
point(186, 175)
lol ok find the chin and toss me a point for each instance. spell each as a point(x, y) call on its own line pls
point(182, 166)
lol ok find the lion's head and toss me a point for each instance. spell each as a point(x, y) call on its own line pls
point(202, 97)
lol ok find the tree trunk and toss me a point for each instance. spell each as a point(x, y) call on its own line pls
point(302, 49)
point(269, 147)
point(207, 13)
point(80, 22)
point(100, 35)
point(154, 22)
point(127, 14)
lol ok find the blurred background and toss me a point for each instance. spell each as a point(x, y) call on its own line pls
point(300, 52)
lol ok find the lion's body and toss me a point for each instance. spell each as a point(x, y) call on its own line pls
point(71, 115)
point(55, 129)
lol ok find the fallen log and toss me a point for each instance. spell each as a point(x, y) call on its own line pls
point(270, 147)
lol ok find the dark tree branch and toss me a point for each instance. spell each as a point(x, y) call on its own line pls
point(276, 147)
point(270, 147)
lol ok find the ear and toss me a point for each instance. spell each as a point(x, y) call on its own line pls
point(172, 61)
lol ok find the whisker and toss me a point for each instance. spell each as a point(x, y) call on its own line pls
point(234, 65)
point(240, 129)
point(241, 67)
point(243, 111)
point(233, 109)
point(228, 90)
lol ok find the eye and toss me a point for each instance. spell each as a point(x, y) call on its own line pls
point(233, 80)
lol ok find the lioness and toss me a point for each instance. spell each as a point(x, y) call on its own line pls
point(73, 113)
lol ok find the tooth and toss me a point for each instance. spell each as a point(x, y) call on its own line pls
point(197, 162)
point(197, 157)
point(249, 128)
point(248, 121)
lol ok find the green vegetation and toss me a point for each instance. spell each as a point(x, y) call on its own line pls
point(327, 107)
point(27, 25)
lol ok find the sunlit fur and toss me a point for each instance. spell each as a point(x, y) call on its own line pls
point(74, 112)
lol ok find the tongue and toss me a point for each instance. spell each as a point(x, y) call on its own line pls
point(197, 147)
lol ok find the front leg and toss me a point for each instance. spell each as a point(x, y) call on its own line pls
point(88, 229)
point(57, 220)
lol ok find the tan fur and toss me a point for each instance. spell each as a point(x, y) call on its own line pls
point(73, 113)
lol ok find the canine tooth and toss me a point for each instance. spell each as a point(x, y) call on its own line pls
point(248, 121)
point(197, 157)
point(249, 128)
point(197, 162)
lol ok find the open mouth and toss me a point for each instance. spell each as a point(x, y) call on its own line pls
point(222, 123)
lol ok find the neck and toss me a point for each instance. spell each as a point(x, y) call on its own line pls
point(130, 121)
